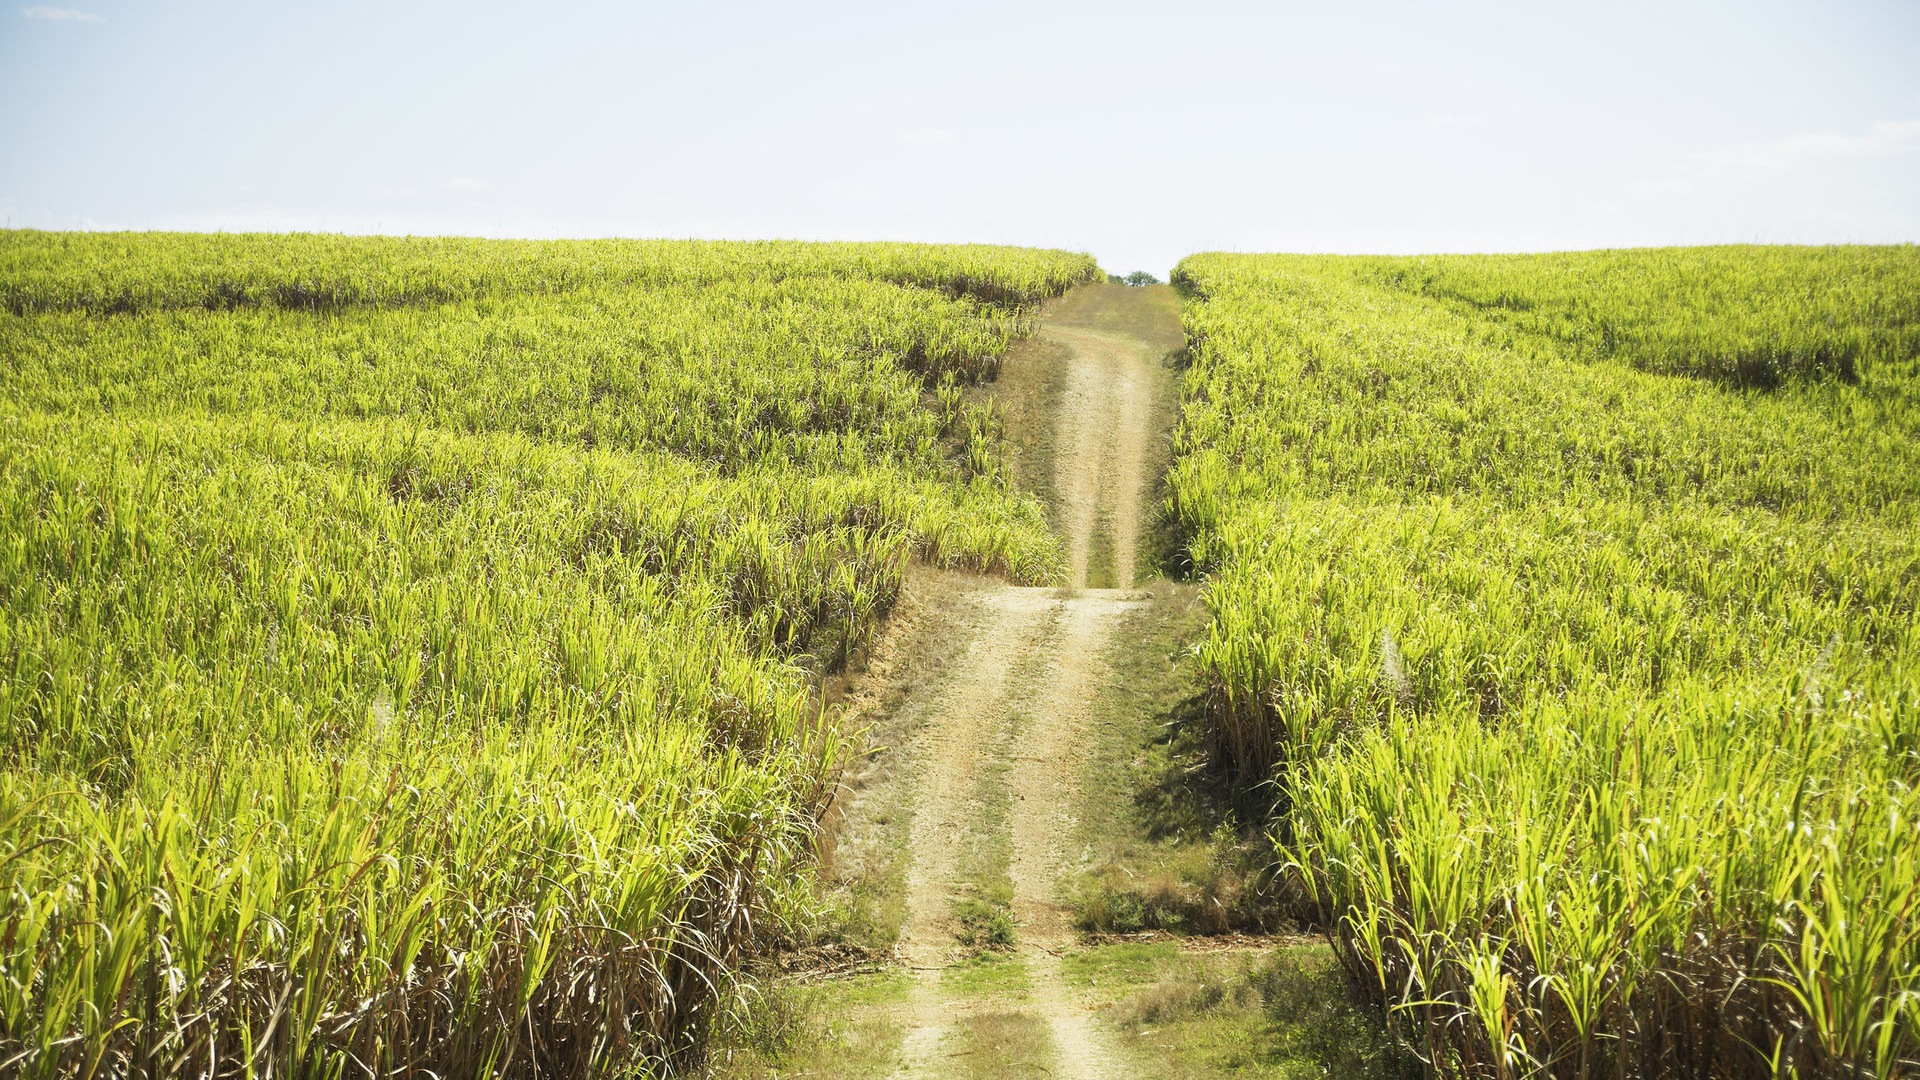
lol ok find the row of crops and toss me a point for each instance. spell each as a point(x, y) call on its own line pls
point(117, 273)
point(1568, 603)
point(407, 651)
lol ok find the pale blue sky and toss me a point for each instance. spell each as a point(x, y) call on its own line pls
point(1137, 132)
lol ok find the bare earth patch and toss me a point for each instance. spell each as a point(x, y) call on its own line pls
point(1034, 662)
point(986, 708)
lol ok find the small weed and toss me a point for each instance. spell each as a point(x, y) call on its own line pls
point(1180, 995)
point(990, 976)
point(765, 1020)
point(782, 1028)
point(1287, 1012)
point(1316, 1013)
point(1215, 888)
point(1002, 1044)
point(985, 924)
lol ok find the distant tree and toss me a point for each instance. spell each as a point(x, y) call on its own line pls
point(1116, 279)
point(1141, 277)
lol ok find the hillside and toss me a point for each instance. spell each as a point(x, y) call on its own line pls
point(410, 644)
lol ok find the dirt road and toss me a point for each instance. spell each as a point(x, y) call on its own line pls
point(1001, 735)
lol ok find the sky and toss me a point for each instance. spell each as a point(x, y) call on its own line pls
point(1137, 132)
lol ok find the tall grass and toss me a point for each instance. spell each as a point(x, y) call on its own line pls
point(121, 273)
point(427, 688)
point(1752, 316)
point(1588, 693)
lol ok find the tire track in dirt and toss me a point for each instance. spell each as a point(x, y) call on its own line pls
point(1100, 473)
point(1045, 785)
point(1057, 639)
point(952, 745)
point(1022, 696)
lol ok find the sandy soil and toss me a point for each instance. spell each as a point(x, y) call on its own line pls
point(1018, 701)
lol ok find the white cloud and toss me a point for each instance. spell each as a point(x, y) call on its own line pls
point(854, 192)
point(1881, 140)
point(57, 14)
point(243, 219)
point(1677, 186)
point(931, 136)
point(465, 183)
point(1452, 121)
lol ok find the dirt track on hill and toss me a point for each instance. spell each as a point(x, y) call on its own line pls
point(1003, 732)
